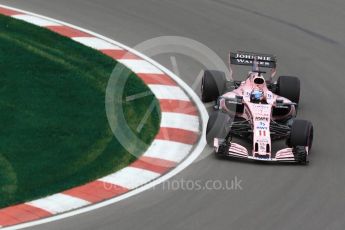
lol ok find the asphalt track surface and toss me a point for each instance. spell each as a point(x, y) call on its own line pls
point(308, 36)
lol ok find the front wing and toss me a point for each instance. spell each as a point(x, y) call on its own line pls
point(239, 151)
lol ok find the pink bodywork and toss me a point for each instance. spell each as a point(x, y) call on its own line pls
point(260, 116)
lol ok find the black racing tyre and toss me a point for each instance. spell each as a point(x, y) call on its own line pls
point(301, 134)
point(217, 126)
point(301, 155)
point(289, 87)
point(212, 85)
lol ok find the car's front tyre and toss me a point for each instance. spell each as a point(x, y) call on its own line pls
point(217, 126)
point(301, 139)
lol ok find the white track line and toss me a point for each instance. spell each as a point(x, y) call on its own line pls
point(168, 92)
point(168, 150)
point(35, 20)
point(140, 66)
point(130, 177)
point(180, 121)
point(96, 43)
point(58, 203)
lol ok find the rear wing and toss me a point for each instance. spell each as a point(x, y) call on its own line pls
point(256, 60)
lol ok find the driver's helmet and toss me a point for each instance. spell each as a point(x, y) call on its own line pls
point(257, 96)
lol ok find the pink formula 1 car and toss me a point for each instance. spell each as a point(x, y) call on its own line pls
point(258, 110)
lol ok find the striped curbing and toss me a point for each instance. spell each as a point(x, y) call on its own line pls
point(180, 130)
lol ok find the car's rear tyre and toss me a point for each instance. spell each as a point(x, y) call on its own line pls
point(212, 85)
point(301, 134)
point(217, 126)
point(289, 87)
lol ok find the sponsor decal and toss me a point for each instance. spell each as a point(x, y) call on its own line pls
point(261, 110)
point(262, 133)
point(240, 61)
point(249, 56)
point(261, 119)
point(261, 106)
point(261, 125)
point(240, 58)
point(265, 141)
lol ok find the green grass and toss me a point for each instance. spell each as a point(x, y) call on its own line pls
point(54, 129)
